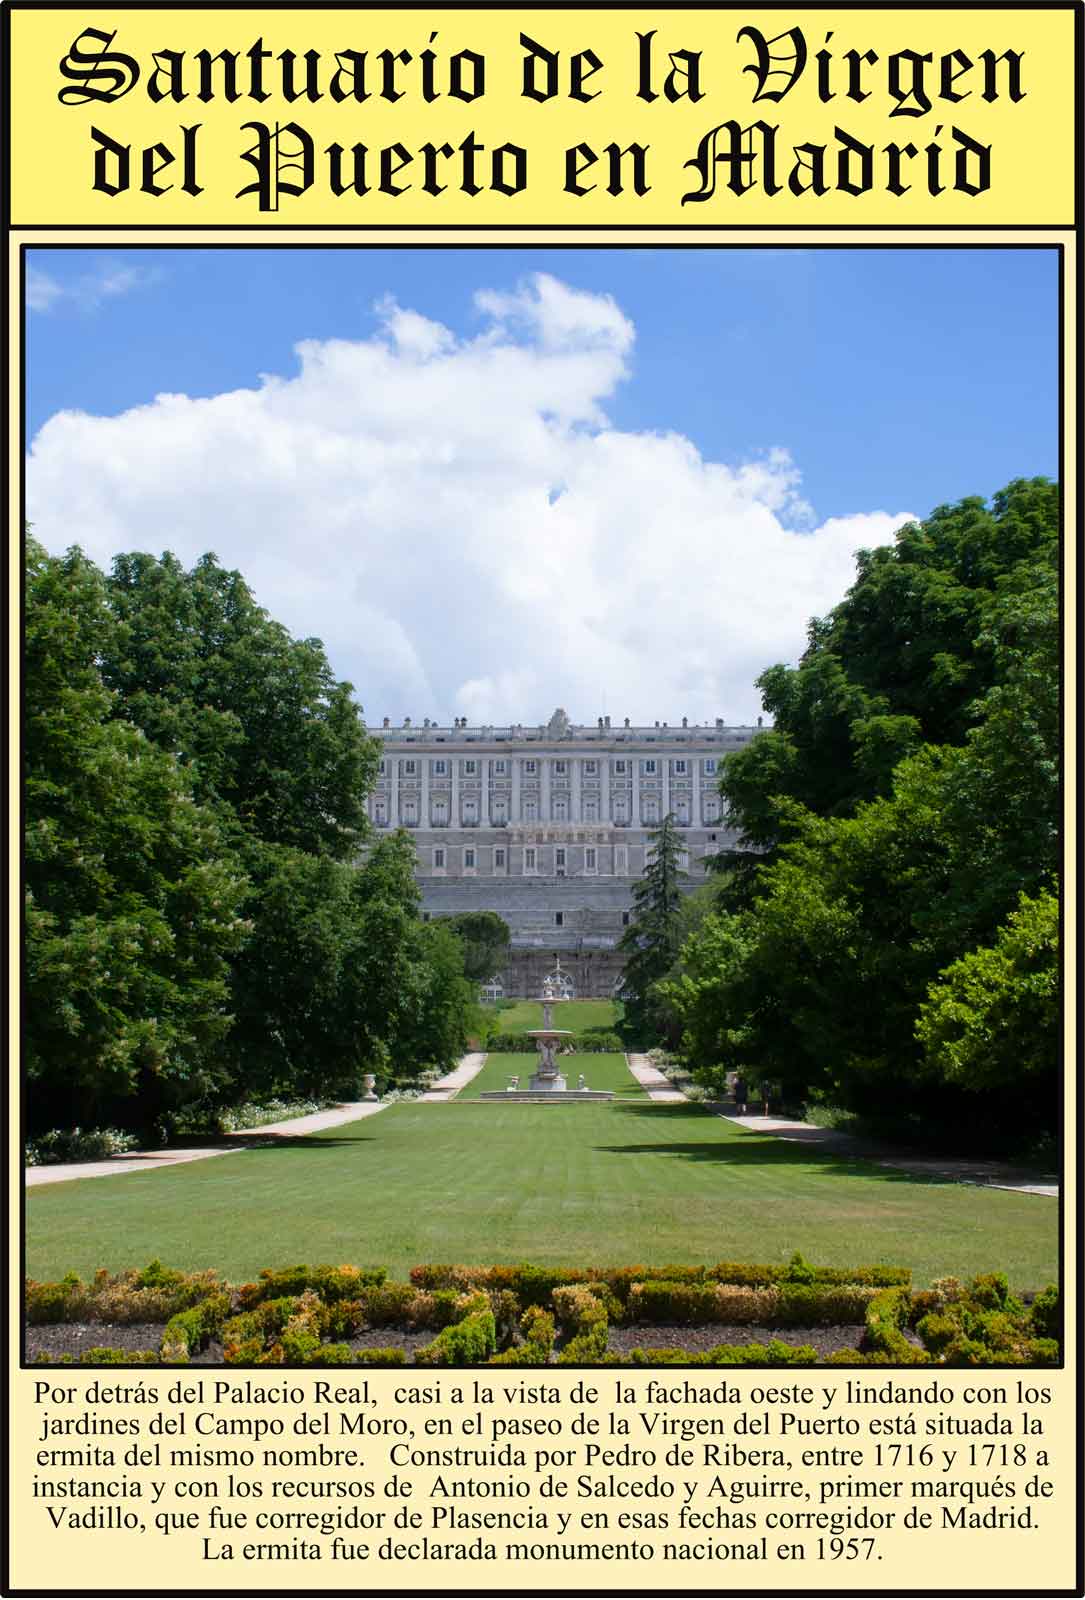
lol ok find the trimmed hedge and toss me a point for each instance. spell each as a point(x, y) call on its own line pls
point(302, 1316)
point(581, 1044)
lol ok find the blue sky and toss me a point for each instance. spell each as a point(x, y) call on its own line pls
point(806, 387)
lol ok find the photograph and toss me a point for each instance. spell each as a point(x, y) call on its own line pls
point(543, 804)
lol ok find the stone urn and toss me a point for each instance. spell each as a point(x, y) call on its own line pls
point(370, 1084)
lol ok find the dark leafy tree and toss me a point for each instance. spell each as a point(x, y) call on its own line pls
point(903, 660)
point(484, 937)
point(132, 892)
point(259, 715)
point(651, 941)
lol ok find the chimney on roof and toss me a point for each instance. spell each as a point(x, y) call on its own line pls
point(719, 722)
point(385, 723)
point(406, 722)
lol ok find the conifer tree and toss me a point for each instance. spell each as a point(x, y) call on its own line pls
point(652, 939)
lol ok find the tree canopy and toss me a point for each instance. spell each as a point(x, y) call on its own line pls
point(906, 812)
point(206, 919)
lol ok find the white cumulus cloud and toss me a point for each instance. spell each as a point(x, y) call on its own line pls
point(459, 522)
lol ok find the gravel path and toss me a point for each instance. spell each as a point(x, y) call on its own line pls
point(650, 1078)
point(449, 1086)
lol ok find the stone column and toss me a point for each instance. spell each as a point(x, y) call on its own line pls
point(484, 802)
point(514, 806)
point(544, 788)
point(393, 792)
point(454, 802)
point(574, 802)
point(634, 803)
point(695, 793)
point(604, 789)
point(665, 801)
point(424, 817)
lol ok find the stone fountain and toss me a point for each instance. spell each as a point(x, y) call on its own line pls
point(547, 1082)
point(547, 1077)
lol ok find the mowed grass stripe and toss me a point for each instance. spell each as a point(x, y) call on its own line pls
point(574, 1185)
point(602, 1072)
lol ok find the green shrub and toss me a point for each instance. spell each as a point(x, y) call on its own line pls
point(938, 1331)
point(537, 1327)
point(78, 1144)
point(465, 1344)
point(331, 1283)
point(390, 1356)
point(798, 1271)
point(1046, 1314)
point(153, 1295)
point(190, 1331)
point(886, 1316)
point(100, 1356)
point(55, 1302)
point(582, 1314)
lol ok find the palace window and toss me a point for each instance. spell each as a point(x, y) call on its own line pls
point(560, 768)
point(499, 769)
point(470, 811)
point(559, 919)
point(380, 813)
point(530, 768)
point(621, 860)
point(410, 768)
point(651, 810)
point(559, 861)
point(620, 811)
point(625, 919)
point(591, 811)
point(470, 768)
point(619, 768)
point(679, 769)
point(529, 860)
point(440, 769)
point(410, 813)
point(499, 810)
point(439, 859)
point(710, 765)
point(383, 768)
point(650, 768)
point(590, 768)
point(590, 860)
point(531, 811)
point(499, 860)
point(561, 809)
point(469, 861)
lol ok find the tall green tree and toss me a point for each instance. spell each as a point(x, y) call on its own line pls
point(259, 716)
point(904, 659)
point(132, 891)
point(484, 937)
point(651, 941)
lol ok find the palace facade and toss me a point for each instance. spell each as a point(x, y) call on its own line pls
point(549, 827)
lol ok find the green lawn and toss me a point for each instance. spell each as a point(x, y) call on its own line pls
point(576, 1015)
point(577, 1184)
point(601, 1071)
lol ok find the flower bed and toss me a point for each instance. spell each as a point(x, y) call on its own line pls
point(732, 1314)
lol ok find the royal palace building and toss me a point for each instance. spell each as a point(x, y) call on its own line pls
point(549, 826)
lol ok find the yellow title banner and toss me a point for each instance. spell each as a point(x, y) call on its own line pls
point(721, 116)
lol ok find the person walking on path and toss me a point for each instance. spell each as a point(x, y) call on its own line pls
point(740, 1095)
